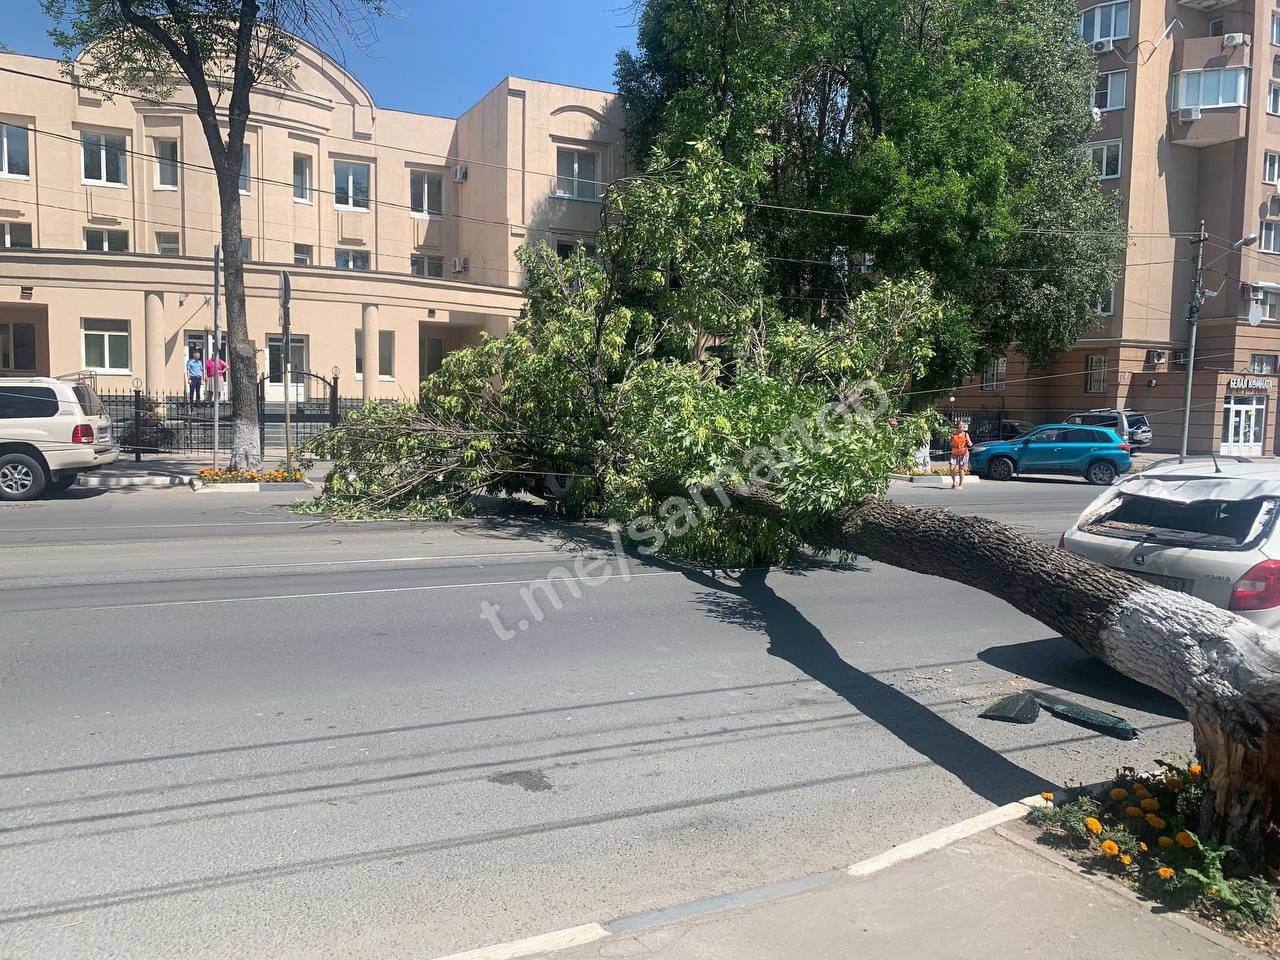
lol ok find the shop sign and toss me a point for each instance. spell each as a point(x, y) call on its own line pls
point(1248, 383)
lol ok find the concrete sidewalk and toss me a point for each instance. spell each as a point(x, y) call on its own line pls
point(993, 896)
point(175, 469)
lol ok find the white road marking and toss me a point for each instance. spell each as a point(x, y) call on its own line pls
point(157, 526)
point(543, 943)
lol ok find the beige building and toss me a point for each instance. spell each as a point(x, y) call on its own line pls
point(1189, 99)
point(398, 230)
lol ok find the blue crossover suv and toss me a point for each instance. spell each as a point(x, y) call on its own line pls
point(1095, 453)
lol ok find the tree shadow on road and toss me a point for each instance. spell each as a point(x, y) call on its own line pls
point(750, 601)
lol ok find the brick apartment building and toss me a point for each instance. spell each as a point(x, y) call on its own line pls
point(1188, 94)
point(399, 230)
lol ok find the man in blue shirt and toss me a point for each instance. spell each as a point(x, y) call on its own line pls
point(195, 375)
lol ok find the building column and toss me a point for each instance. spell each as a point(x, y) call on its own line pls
point(369, 347)
point(153, 342)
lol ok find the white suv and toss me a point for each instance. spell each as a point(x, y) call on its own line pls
point(1208, 528)
point(50, 432)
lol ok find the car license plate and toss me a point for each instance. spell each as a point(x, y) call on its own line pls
point(1169, 583)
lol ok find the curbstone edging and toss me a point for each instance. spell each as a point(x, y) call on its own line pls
point(199, 486)
point(155, 480)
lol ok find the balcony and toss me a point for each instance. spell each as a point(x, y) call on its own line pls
point(1214, 125)
point(1206, 5)
point(1204, 53)
point(1210, 89)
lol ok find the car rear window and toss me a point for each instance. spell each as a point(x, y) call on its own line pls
point(90, 402)
point(27, 403)
point(1138, 420)
point(1204, 524)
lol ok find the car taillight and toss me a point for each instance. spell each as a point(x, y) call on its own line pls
point(1124, 447)
point(82, 433)
point(1259, 589)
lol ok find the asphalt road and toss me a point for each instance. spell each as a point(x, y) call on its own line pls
point(230, 731)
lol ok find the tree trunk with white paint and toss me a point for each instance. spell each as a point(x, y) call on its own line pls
point(1223, 669)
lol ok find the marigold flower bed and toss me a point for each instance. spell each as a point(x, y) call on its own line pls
point(209, 475)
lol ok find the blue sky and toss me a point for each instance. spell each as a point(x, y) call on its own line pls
point(441, 56)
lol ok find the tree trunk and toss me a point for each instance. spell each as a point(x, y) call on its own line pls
point(1223, 669)
point(246, 447)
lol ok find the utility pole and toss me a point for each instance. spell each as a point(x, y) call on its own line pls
point(217, 344)
point(1193, 317)
point(286, 291)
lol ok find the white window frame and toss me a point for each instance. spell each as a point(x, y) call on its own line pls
point(106, 240)
point(4, 151)
point(1240, 76)
point(994, 375)
point(1273, 99)
point(1104, 84)
point(177, 243)
point(350, 206)
point(1270, 167)
point(1270, 299)
point(246, 171)
point(1275, 29)
point(1264, 369)
point(107, 337)
point(1105, 146)
point(303, 260)
point(6, 235)
point(246, 249)
point(103, 148)
point(164, 163)
point(1269, 236)
point(305, 196)
point(350, 254)
point(578, 184)
point(1095, 373)
point(387, 355)
point(427, 262)
point(426, 211)
point(1096, 11)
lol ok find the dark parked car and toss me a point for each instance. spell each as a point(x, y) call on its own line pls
point(1095, 453)
point(983, 430)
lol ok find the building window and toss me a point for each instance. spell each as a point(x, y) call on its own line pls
point(167, 244)
point(351, 259)
point(1271, 167)
point(246, 249)
point(1108, 90)
point(1178, 360)
point(1105, 159)
point(1269, 302)
point(359, 353)
point(302, 178)
point(1264, 363)
point(421, 265)
point(18, 347)
point(1213, 88)
point(350, 185)
point(566, 248)
point(426, 192)
point(166, 164)
point(1095, 373)
point(244, 168)
point(1275, 29)
point(1269, 237)
point(302, 254)
point(576, 174)
point(107, 241)
point(386, 354)
point(106, 345)
point(993, 374)
point(15, 153)
point(1106, 21)
point(1107, 303)
point(103, 158)
point(1216, 27)
point(15, 235)
point(1273, 99)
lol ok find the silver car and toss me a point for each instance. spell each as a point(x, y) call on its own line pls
point(1207, 528)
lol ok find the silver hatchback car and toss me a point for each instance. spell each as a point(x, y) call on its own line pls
point(1206, 528)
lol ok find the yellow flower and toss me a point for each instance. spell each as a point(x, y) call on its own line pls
point(1213, 891)
point(1151, 804)
point(1092, 825)
point(1155, 822)
point(1109, 848)
point(1142, 846)
point(1141, 790)
point(1047, 796)
point(1166, 841)
point(1194, 769)
point(1133, 812)
point(1166, 873)
point(1184, 839)
point(1119, 793)
point(1126, 859)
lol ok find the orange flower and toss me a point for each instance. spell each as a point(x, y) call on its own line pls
point(1155, 822)
point(1092, 825)
point(1141, 790)
point(1166, 841)
point(1173, 783)
point(1109, 848)
point(1194, 769)
point(1047, 796)
point(1135, 812)
point(1119, 793)
point(1151, 804)
point(1142, 846)
point(1126, 859)
point(1184, 839)
point(1166, 873)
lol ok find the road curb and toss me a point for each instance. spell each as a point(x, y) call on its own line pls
point(664, 916)
point(197, 486)
point(154, 480)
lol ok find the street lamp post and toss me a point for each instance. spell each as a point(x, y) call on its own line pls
point(1198, 294)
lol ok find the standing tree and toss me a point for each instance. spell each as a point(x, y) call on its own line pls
point(220, 50)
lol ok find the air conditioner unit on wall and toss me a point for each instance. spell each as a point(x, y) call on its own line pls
point(1233, 40)
point(460, 173)
point(1187, 114)
point(1102, 46)
point(461, 264)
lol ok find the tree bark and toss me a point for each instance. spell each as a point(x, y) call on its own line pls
point(1222, 668)
point(246, 447)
